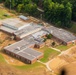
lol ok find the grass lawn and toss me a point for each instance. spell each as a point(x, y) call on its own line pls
point(48, 54)
point(2, 60)
point(30, 66)
point(2, 13)
point(63, 47)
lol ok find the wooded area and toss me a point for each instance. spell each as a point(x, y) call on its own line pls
point(58, 12)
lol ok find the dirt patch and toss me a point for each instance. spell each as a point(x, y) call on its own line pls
point(66, 57)
point(70, 69)
point(12, 61)
point(5, 41)
point(56, 63)
point(3, 36)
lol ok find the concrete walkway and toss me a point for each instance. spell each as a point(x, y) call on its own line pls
point(55, 49)
point(61, 53)
point(47, 65)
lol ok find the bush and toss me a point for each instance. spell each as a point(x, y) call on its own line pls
point(45, 39)
point(49, 36)
point(53, 43)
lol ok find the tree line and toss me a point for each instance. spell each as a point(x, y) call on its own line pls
point(58, 12)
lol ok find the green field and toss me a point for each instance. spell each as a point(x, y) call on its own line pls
point(48, 54)
point(30, 66)
point(4, 14)
point(2, 60)
point(26, 66)
point(63, 47)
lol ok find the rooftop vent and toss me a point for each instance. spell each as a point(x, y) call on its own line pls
point(18, 48)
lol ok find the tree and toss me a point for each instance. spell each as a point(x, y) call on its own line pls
point(53, 43)
point(20, 7)
point(26, 2)
point(30, 8)
point(49, 36)
point(45, 39)
point(36, 1)
point(2, 1)
point(58, 13)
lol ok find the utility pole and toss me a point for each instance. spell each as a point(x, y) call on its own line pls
point(10, 5)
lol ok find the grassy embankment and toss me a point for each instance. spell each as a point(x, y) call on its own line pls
point(48, 54)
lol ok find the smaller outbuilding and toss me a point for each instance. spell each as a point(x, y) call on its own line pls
point(23, 17)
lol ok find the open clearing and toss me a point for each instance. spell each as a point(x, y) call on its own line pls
point(70, 68)
point(34, 69)
point(5, 40)
point(48, 53)
point(5, 13)
point(63, 47)
point(66, 57)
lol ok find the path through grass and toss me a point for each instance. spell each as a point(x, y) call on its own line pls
point(48, 54)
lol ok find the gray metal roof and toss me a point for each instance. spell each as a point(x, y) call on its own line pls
point(13, 23)
point(32, 28)
point(61, 34)
point(30, 39)
point(7, 29)
point(33, 52)
point(39, 34)
point(22, 49)
point(26, 55)
point(23, 17)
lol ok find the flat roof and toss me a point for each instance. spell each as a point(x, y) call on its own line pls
point(23, 17)
point(14, 23)
point(39, 34)
point(21, 44)
point(30, 39)
point(22, 49)
point(32, 28)
point(61, 34)
point(6, 29)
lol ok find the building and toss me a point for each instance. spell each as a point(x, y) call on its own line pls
point(61, 35)
point(12, 25)
point(39, 34)
point(24, 18)
point(23, 52)
point(19, 28)
point(30, 35)
point(39, 45)
point(28, 30)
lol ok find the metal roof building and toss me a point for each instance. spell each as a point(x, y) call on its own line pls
point(12, 25)
point(22, 51)
point(6, 29)
point(30, 29)
point(23, 17)
point(39, 34)
point(61, 34)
